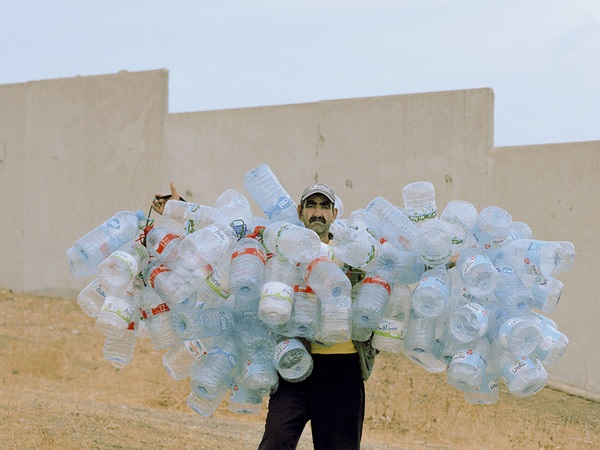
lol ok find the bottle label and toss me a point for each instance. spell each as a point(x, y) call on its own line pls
point(129, 261)
point(195, 347)
point(506, 329)
point(513, 370)
point(282, 203)
point(215, 282)
point(549, 339)
point(156, 272)
point(487, 240)
point(303, 289)
point(379, 281)
point(119, 308)
point(160, 248)
point(532, 257)
point(471, 358)
point(154, 311)
point(250, 251)
point(472, 262)
point(313, 263)
point(390, 328)
point(230, 357)
point(277, 289)
point(436, 283)
point(285, 346)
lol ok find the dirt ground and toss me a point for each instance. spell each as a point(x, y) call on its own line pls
point(56, 391)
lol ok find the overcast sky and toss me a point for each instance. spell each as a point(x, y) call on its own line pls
point(541, 57)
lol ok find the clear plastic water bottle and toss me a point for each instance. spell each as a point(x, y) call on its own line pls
point(435, 242)
point(119, 270)
point(397, 265)
point(292, 360)
point(389, 334)
point(334, 290)
point(168, 284)
point(266, 190)
point(467, 367)
point(156, 314)
point(97, 244)
point(161, 241)
point(243, 400)
point(419, 201)
point(510, 291)
point(233, 207)
point(431, 294)
point(214, 372)
point(293, 242)
point(206, 245)
point(469, 322)
point(461, 217)
point(179, 359)
point(204, 404)
point(420, 334)
point(198, 322)
point(119, 349)
point(192, 216)
point(247, 268)
point(492, 228)
point(117, 313)
point(277, 292)
point(546, 291)
point(253, 336)
point(523, 376)
point(391, 223)
point(477, 272)
point(488, 392)
point(354, 247)
point(534, 257)
point(304, 318)
point(518, 334)
point(91, 298)
point(552, 346)
point(213, 289)
point(372, 296)
point(518, 230)
point(78, 265)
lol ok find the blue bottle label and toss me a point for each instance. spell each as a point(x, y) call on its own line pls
point(282, 203)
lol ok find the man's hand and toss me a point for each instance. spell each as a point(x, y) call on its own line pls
point(160, 200)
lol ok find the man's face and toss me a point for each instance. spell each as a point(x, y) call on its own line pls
point(317, 213)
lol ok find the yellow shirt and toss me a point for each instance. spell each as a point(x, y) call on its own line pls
point(340, 347)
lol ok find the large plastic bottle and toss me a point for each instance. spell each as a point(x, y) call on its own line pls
point(552, 346)
point(419, 201)
point(391, 223)
point(91, 298)
point(119, 349)
point(97, 244)
point(259, 373)
point(519, 334)
point(117, 313)
point(431, 294)
point(397, 265)
point(523, 376)
point(266, 190)
point(304, 318)
point(467, 367)
point(179, 359)
point(477, 272)
point(169, 284)
point(215, 371)
point(192, 216)
point(511, 293)
point(372, 296)
point(534, 257)
point(461, 217)
point(234, 210)
point(354, 247)
point(247, 268)
point(334, 290)
point(546, 291)
point(492, 228)
point(471, 321)
point(161, 241)
point(243, 400)
point(277, 292)
point(119, 270)
point(198, 322)
point(156, 314)
point(434, 243)
point(389, 334)
point(206, 245)
point(292, 360)
point(294, 242)
point(205, 404)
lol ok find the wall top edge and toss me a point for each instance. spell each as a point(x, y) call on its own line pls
point(579, 144)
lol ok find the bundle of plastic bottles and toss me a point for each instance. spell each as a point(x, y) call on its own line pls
point(234, 298)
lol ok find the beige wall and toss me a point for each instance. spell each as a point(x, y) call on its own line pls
point(74, 151)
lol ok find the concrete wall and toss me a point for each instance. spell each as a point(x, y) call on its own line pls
point(74, 151)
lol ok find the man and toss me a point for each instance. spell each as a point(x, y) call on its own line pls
point(332, 398)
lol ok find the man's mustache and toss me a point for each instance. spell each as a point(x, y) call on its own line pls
point(317, 219)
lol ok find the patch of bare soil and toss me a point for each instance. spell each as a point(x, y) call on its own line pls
point(56, 391)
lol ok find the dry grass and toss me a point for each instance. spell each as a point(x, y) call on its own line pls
point(56, 391)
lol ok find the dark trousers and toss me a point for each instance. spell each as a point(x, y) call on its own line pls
point(332, 398)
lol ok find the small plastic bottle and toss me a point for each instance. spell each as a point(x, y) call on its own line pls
point(552, 346)
point(390, 332)
point(391, 223)
point(97, 244)
point(546, 291)
point(247, 267)
point(534, 257)
point(266, 190)
point(477, 272)
point(198, 322)
point(469, 322)
point(461, 216)
point(512, 294)
point(293, 242)
point(419, 201)
point(523, 376)
point(117, 314)
point(119, 349)
point(396, 265)
point(259, 374)
point(156, 314)
point(420, 333)
point(179, 359)
point(91, 298)
point(467, 367)
point(277, 292)
point(118, 271)
point(435, 242)
point(372, 296)
point(492, 228)
point(518, 334)
point(204, 404)
point(432, 292)
point(243, 400)
point(292, 360)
